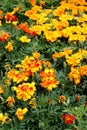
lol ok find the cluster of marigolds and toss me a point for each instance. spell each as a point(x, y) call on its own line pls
point(67, 20)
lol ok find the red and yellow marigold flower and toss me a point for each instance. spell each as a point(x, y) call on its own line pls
point(20, 113)
point(31, 64)
point(26, 29)
point(18, 76)
point(25, 90)
point(68, 118)
point(48, 79)
point(10, 17)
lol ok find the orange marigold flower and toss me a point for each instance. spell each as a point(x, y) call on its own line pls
point(48, 79)
point(25, 91)
point(1, 14)
point(20, 113)
point(83, 70)
point(62, 99)
point(68, 118)
point(4, 36)
point(33, 2)
point(25, 28)
point(10, 101)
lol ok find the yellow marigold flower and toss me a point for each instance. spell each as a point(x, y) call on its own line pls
point(24, 39)
point(37, 29)
point(62, 99)
point(74, 59)
point(10, 101)
point(77, 37)
point(9, 46)
point(1, 90)
point(36, 55)
point(32, 14)
point(74, 75)
point(52, 35)
point(3, 118)
point(25, 91)
point(20, 113)
point(48, 79)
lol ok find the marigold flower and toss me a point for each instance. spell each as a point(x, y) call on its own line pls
point(1, 90)
point(1, 14)
point(83, 70)
point(20, 113)
point(4, 36)
point(24, 39)
point(74, 59)
point(10, 101)
point(77, 98)
point(9, 46)
point(33, 2)
point(10, 17)
point(25, 91)
point(25, 28)
point(36, 55)
point(3, 118)
point(18, 76)
point(74, 75)
point(69, 119)
point(62, 99)
point(48, 79)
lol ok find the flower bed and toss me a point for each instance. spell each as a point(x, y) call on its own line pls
point(43, 65)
